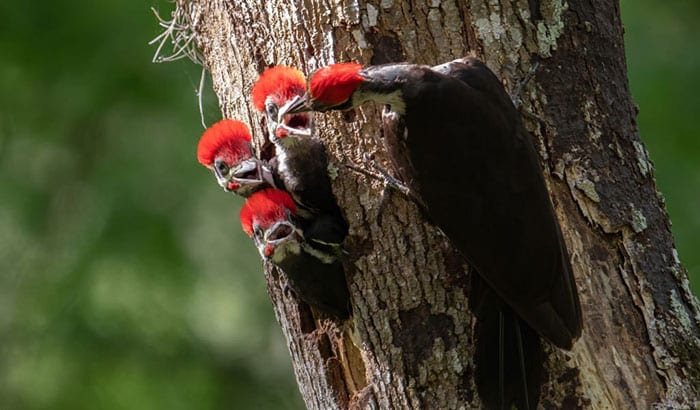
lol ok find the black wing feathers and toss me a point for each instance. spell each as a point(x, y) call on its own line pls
point(477, 170)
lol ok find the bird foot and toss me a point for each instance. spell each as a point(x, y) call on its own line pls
point(520, 86)
point(391, 184)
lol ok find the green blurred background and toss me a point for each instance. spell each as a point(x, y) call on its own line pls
point(125, 280)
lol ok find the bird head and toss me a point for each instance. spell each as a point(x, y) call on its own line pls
point(275, 88)
point(226, 149)
point(268, 217)
point(334, 87)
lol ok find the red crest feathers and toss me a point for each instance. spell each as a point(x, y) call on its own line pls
point(281, 82)
point(334, 84)
point(265, 207)
point(231, 135)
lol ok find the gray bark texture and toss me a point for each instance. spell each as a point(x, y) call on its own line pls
point(410, 342)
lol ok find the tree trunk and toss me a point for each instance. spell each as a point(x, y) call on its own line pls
point(410, 342)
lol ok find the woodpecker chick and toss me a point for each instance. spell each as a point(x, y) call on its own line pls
point(300, 165)
point(467, 155)
point(270, 218)
point(226, 149)
point(276, 87)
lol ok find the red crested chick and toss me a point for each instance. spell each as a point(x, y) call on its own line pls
point(300, 163)
point(264, 208)
point(276, 87)
point(225, 148)
point(278, 84)
point(269, 217)
point(228, 139)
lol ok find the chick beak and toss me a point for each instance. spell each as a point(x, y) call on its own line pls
point(296, 105)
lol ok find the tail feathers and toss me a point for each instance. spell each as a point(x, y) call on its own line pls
point(509, 356)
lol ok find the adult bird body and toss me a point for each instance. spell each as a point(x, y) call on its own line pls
point(462, 149)
point(467, 156)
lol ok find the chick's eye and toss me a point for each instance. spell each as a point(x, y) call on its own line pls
point(220, 166)
point(271, 110)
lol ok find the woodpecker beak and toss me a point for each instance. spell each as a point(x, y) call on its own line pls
point(292, 119)
point(280, 232)
point(296, 105)
point(249, 171)
point(247, 177)
point(243, 179)
point(278, 238)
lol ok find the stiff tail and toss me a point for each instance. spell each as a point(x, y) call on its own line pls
point(509, 355)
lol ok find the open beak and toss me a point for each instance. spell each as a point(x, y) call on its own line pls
point(293, 119)
point(249, 171)
point(279, 232)
point(247, 176)
point(296, 105)
point(276, 235)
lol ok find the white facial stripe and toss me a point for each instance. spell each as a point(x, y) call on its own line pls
point(394, 99)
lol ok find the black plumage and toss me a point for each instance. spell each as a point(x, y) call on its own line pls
point(467, 155)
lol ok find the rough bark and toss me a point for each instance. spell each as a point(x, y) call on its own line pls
point(410, 342)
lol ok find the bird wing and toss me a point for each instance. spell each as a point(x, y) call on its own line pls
point(479, 174)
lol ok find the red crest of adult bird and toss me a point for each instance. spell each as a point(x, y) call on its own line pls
point(225, 148)
point(333, 85)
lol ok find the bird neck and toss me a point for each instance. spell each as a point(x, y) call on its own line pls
point(287, 250)
point(384, 84)
point(392, 98)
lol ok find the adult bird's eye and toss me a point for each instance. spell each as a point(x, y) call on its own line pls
point(220, 166)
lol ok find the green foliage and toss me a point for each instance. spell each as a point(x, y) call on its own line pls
point(664, 62)
point(125, 280)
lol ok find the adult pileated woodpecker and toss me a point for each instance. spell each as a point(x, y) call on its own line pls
point(466, 154)
point(300, 163)
point(226, 149)
point(270, 218)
